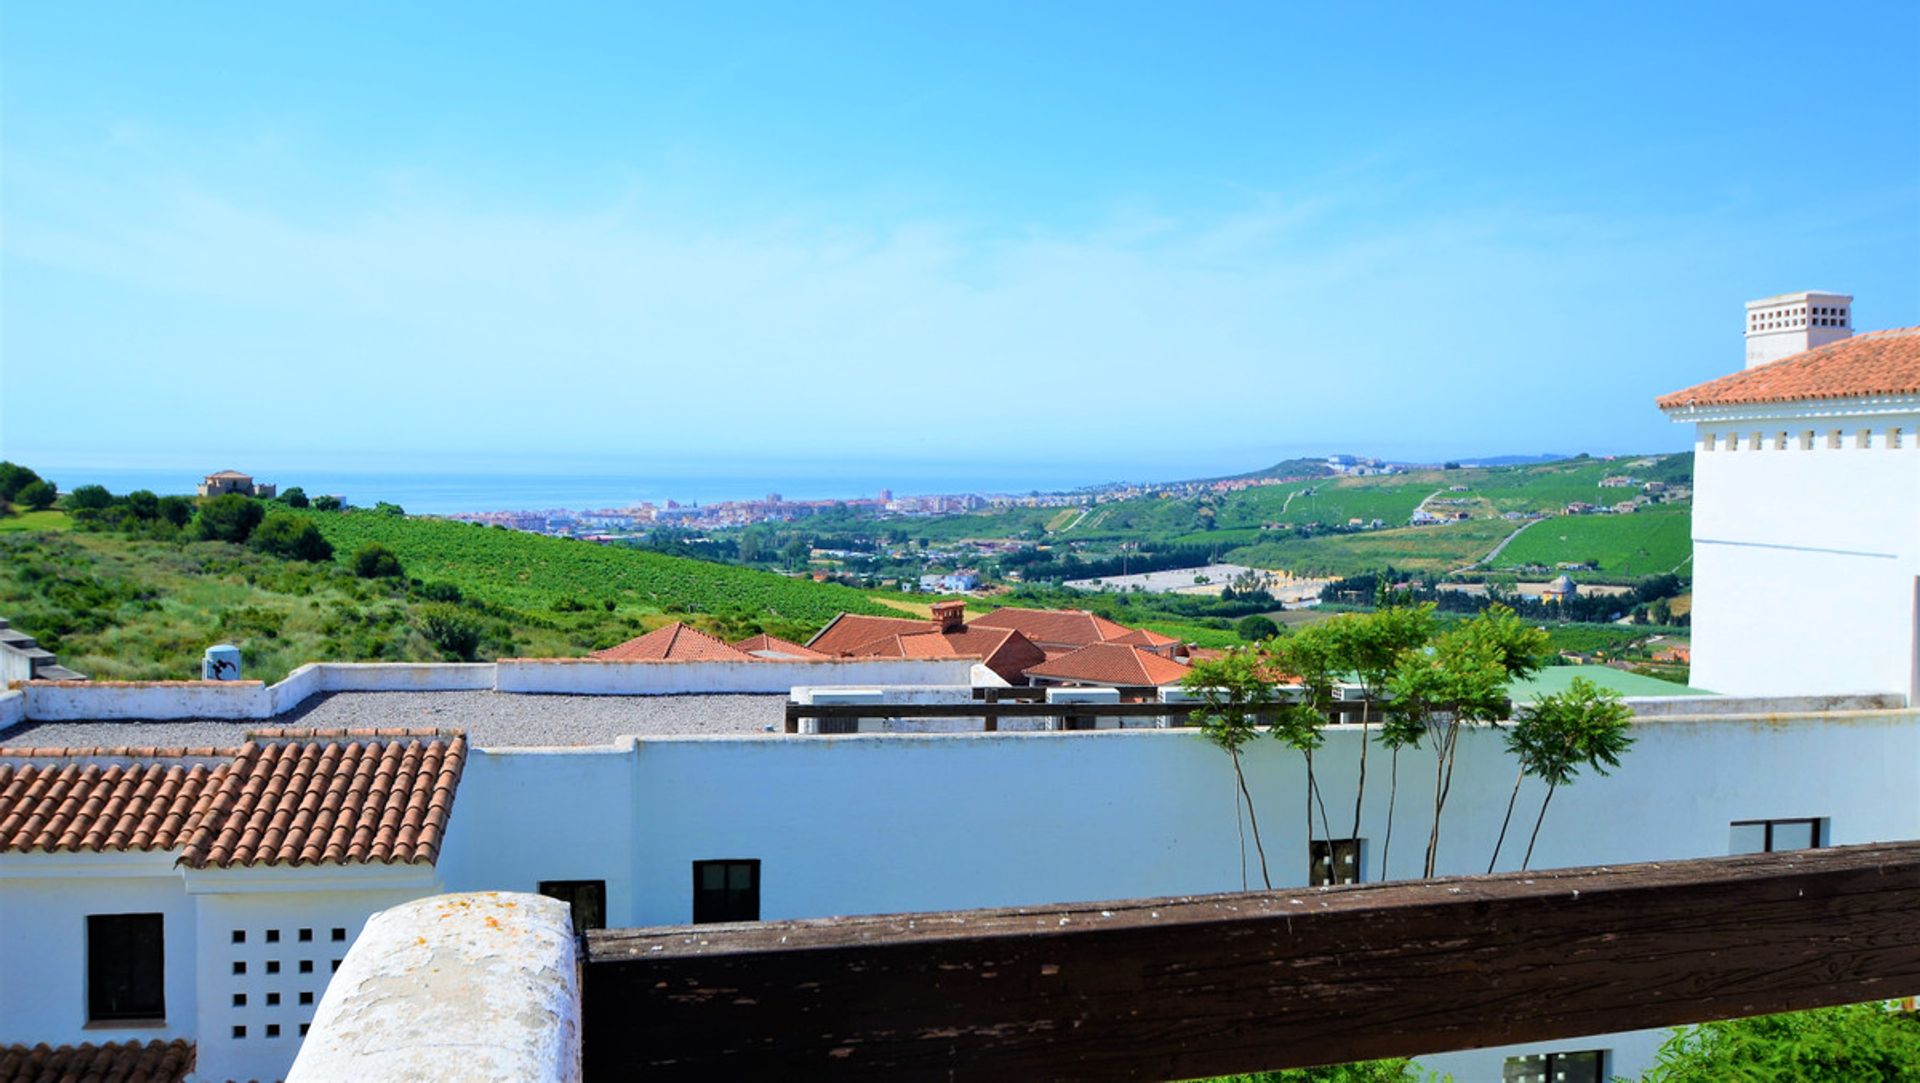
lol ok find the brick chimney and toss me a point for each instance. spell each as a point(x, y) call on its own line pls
point(1794, 323)
point(950, 616)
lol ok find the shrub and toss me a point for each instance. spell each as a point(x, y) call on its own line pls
point(440, 592)
point(376, 561)
point(452, 630)
point(1827, 1045)
point(326, 503)
point(229, 517)
point(295, 497)
point(1255, 628)
point(38, 495)
point(385, 508)
point(142, 504)
point(89, 498)
point(291, 538)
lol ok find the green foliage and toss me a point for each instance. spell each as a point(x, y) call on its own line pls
point(1255, 628)
point(1234, 689)
point(229, 517)
point(452, 629)
point(291, 537)
point(89, 498)
point(376, 561)
point(143, 505)
point(1648, 542)
point(1584, 724)
point(38, 495)
point(326, 503)
point(1365, 1071)
point(13, 478)
point(1828, 1045)
point(177, 510)
point(384, 508)
point(295, 497)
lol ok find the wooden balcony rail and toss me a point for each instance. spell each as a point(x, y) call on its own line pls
point(1079, 715)
point(1184, 987)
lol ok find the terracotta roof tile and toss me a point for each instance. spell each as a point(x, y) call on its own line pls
point(676, 642)
point(1112, 663)
point(114, 1062)
point(286, 797)
point(849, 631)
point(766, 646)
point(1056, 627)
point(1876, 363)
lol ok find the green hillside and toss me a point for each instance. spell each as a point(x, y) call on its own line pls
point(1648, 542)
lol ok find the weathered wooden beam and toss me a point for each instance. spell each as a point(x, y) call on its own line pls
point(1184, 987)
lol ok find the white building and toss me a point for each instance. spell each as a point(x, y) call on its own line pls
point(1806, 514)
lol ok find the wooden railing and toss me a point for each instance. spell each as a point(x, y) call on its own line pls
point(1184, 987)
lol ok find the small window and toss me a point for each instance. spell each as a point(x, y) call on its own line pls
point(1756, 441)
point(1709, 441)
point(586, 901)
point(1863, 439)
point(1894, 437)
point(126, 967)
point(1780, 442)
point(1833, 440)
point(1770, 836)
point(1335, 861)
point(1806, 440)
point(1588, 1066)
point(726, 891)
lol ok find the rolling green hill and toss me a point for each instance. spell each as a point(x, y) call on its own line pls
point(1648, 542)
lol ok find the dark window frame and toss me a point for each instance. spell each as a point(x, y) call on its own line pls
point(1815, 824)
point(126, 968)
point(727, 903)
point(571, 892)
point(1550, 1065)
point(1323, 859)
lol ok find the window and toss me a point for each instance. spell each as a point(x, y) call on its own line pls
point(1710, 440)
point(1806, 440)
point(1863, 439)
point(726, 891)
point(585, 899)
point(126, 967)
point(1894, 437)
point(1833, 440)
point(1587, 1066)
point(1767, 836)
point(1780, 442)
point(1335, 861)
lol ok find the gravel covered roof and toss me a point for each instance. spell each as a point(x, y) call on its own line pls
point(489, 719)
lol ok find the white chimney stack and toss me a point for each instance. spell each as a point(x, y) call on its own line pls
point(1794, 323)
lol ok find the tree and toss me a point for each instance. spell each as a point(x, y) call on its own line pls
point(290, 537)
point(376, 561)
point(177, 510)
point(1585, 723)
point(1461, 680)
point(1827, 1045)
point(13, 478)
point(1368, 646)
point(326, 503)
point(142, 504)
point(89, 498)
point(228, 517)
point(1235, 690)
point(295, 497)
point(38, 495)
point(1307, 658)
point(1255, 628)
point(385, 508)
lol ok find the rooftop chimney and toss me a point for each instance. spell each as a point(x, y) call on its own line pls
point(950, 616)
point(1794, 323)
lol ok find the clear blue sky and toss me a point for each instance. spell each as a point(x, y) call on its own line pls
point(1159, 239)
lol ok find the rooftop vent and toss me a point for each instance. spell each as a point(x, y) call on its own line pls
point(1792, 323)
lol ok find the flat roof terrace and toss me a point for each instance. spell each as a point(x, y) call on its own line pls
point(490, 719)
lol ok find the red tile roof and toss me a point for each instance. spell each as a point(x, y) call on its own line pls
point(1112, 663)
point(1056, 627)
point(1145, 637)
point(285, 797)
point(114, 1062)
point(848, 631)
point(1876, 363)
point(675, 642)
point(766, 646)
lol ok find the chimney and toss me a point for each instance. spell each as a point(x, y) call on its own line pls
point(950, 616)
point(220, 663)
point(1792, 323)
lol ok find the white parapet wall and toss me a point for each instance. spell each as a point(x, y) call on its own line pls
point(316, 677)
point(598, 677)
point(477, 986)
point(13, 708)
point(61, 701)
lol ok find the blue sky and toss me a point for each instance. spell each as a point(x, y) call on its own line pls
point(1150, 240)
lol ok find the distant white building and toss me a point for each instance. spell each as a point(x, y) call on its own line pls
point(233, 481)
point(1806, 512)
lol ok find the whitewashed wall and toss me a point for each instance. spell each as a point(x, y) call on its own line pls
point(873, 824)
point(592, 676)
point(13, 708)
point(1807, 562)
point(54, 701)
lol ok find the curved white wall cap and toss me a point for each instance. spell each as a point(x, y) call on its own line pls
point(475, 986)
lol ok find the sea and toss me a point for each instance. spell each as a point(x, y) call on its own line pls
point(444, 492)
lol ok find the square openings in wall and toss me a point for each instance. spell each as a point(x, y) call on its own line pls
point(272, 997)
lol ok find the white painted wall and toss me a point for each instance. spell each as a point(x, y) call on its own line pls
point(860, 824)
point(1806, 561)
point(593, 676)
point(50, 701)
point(14, 666)
point(13, 708)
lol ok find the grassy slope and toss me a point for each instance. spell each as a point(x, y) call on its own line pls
point(530, 571)
point(34, 521)
point(1648, 542)
point(1432, 548)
